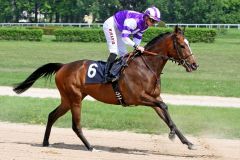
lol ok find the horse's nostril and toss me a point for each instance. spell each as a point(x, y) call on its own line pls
point(195, 66)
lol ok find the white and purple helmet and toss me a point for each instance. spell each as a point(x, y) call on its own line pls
point(153, 13)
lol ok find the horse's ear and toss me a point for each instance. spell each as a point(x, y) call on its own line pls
point(176, 29)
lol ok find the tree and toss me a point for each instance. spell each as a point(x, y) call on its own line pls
point(175, 11)
point(136, 5)
point(172, 11)
point(107, 8)
point(6, 11)
point(231, 11)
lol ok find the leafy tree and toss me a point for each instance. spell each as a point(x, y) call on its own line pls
point(172, 11)
point(6, 11)
point(136, 5)
point(175, 11)
point(107, 8)
point(231, 11)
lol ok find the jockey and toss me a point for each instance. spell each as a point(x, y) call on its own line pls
point(121, 26)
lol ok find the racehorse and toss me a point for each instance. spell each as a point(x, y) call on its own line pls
point(139, 83)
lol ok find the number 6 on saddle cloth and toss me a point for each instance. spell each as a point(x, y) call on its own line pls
point(96, 70)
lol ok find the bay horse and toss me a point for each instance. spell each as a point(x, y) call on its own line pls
point(139, 83)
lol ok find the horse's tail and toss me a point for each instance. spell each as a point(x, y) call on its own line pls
point(45, 71)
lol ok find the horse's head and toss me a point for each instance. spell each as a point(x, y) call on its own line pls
point(181, 51)
point(173, 46)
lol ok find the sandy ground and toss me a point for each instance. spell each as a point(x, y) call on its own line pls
point(21, 142)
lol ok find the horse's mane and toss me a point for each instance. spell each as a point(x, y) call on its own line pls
point(160, 36)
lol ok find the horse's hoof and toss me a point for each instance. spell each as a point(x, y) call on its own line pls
point(172, 135)
point(95, 150)
point(192, 147)
point(45, 144)
point(90, 149)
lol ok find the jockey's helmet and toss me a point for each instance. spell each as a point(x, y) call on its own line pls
point(153, 13)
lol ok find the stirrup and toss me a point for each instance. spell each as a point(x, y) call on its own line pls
point(114, 79)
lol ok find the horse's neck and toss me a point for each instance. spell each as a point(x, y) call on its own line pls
point(156, 63)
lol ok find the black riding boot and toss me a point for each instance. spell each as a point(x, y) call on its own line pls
point(109, 64)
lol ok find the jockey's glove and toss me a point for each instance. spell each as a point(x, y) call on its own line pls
point(138, 48)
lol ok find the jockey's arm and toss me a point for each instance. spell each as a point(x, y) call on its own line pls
point(129, 26)
point(135, 44)
point(137, 38)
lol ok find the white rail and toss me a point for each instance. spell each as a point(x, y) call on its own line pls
point(226, 26)
point(53, 24)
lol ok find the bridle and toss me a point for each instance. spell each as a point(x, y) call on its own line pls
point(181, 59)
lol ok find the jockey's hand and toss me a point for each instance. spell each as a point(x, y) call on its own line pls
point(139, 48)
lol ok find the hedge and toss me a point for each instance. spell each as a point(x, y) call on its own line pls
point(81, 35)
point(97, 35)
point(201, 35)
point(20, 34)
point(192, 34)
point(47, 30)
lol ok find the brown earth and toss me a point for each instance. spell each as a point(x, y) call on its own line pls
point(21, 141)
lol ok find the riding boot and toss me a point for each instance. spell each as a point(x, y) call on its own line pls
point(109, 64)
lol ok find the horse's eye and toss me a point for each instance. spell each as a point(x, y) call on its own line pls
point(182, 46)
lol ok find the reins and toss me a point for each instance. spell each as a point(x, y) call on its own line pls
point(150, 53)
point(163, 56)
point(154, 73)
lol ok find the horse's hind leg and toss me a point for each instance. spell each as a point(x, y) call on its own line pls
point(76, 124)
point(52, 117)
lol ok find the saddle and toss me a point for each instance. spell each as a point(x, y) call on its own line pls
point(96, 69)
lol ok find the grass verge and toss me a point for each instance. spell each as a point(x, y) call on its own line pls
point(216, 122)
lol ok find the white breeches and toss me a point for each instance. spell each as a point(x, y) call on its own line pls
point(114, 38)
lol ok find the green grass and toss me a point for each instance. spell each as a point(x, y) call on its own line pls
point(217, 75)
point(217, 122)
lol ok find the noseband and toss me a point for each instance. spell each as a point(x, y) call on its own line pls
point(181, 59)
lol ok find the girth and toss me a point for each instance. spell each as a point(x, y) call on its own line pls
point(118, 93)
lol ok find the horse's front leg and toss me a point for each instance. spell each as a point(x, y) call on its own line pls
point(168, 121)
point(162, 110)
point(164, 114)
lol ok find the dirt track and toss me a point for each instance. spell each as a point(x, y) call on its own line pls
point(19, 141)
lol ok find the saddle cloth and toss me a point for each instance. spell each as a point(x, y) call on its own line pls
point(96, 71)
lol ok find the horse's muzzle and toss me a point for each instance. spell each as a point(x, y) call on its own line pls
point(194, 66)
point(191, 67)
